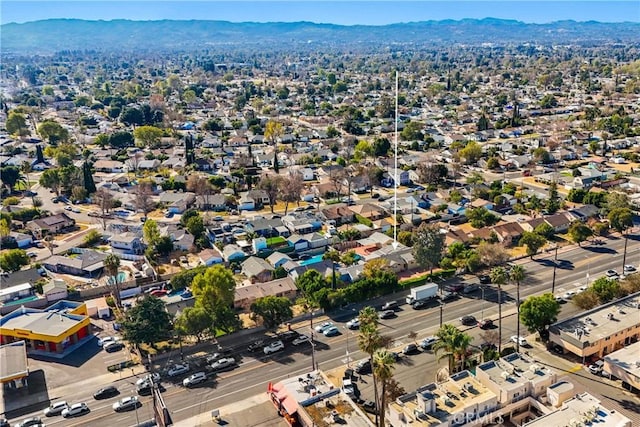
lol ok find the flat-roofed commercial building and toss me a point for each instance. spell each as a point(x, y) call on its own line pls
point(460, 400)
point(625, 365)
point(51, 330)
point(14, 368)
point(581, 410)
point(600, 331)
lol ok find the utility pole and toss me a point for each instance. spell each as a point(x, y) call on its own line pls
point(555, 265)
point(313, 345)
point(348, 356)
point(482, 309)
point(624, 256)
point(441, 309)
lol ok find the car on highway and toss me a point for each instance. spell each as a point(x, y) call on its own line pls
point(422, 303)
point(147, 378)
point(302, 338)
point(611, 273)
point(55, 408)
point(454, 287)
point(485, 324)
point(31, 422)
point(468, 320)
point(223, 364)
point(194, 379)
point(255, 346)
point(519, 340)
point(126, 404)
point(629, 269)
point(390, 305)
point(75, 410)
point(287, 336)
point(410, 349)
point(331, 331)
point(448, 296)
point(273, 347)
point(568, 295)
point(323, 326)
point(178, 369)
point(353, 323)
point(112, 347)
point(387, 314)
point(428, 342)
point(106, 392)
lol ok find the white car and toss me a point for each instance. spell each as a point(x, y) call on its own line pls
point(428, 342)
point(596, 368)
point(611, 273)
point(323, 326)
point(629, 268)
point(147, 378)
point(223, 363)
point(568, 294)
point(106, 340)
point(273, 347)
point(75, 409)
point(353, 323)
point(56, 408)
point(194, 379)
point(126, 404)
point(178, 369)
point(301, 339)
point(519, 340)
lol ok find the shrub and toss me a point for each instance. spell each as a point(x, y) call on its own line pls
point(10, 201)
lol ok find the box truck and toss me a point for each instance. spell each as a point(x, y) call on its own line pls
point(430, 290)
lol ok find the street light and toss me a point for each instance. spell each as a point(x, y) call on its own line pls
point(555, 265)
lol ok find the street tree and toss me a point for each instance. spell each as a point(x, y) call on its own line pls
point(52, 180)
point(579, 232)
point(13, 259)
point(147, 322)
point(492, 254)
point(499, 277)
point(538, 312)
point(620, 219)
point(452, 344)
point(310, 282)
point(195, 322)
point(214, 291)
point(606, 289)
point(273, 311)
point(533, 241)
point(428, 246)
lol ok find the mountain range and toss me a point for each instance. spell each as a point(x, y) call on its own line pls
point(52, 35)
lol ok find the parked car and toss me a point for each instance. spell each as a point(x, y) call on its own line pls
point(4, 422)
point(369, 406)
point(470, 288)
point(568, 295)
point(55, 409)
point(255, 346)
point(301, 339)
point(213, 358)
point(485, 279)
point(596, 367)
point(273, 347)
point(629, 268)
point(519, 340)
point(222, 364)
point(485, 324)
point(112, 347)
point(387, 314)
point(148, 378)
point(331, 331)
point(611, 273)
point(428, 342)
point(468, 320)
point(287, 336)
point(410, 349)
point(560, 300)
point(363, 367)
point(106, 392)
point(448, 296)
point(178, 369)
point(126, 404)
point(75, 410)
point(194, 379)
point(323, 326)
point(353, 323)
point(106, 340)
point(159, 293)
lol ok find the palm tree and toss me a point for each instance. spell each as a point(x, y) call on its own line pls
point(368, 315)
point(382, 365)
point(499, 277)
point(111, 266)
point(517, 275)
point(460, 346)
point(445, 343)
point(333, 256)
point(370, 340)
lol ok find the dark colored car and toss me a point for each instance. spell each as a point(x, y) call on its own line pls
point(485, 279)
point(369, 406)
point(387, 314)
point(558, 349)
point(112, 347)
point(454, 287)
point(363, 367)
point(4, 422)
point(256, 346)
point(106, 392)
point(448, 296)
point(468, 320)
point(485, 324)
point(391, 305)
point(420, 304)
point(288, 336)
point(410, 349)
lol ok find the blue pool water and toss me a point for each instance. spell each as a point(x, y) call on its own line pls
point(122, 276)
point(312, 260)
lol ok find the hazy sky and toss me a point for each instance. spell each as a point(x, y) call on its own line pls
point(337, 11)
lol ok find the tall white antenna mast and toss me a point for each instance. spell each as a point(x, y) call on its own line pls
point(395, 176)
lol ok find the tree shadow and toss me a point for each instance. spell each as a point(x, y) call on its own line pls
point(600, 250)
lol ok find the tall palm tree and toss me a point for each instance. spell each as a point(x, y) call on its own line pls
point(333, 256)
point(111, 266)
point(382, 365)
point(370, 340)
point(368, 315)
point(460, 345)
point(517, 275)
point(499, 277)
point(445, 343)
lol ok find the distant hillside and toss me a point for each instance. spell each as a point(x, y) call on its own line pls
point(62, 34)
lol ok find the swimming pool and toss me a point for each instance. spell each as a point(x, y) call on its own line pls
point(314, 259)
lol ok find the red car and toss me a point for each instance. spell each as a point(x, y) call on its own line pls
point(158, 293)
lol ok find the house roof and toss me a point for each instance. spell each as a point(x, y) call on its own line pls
point(254, 266)
point(259, 290)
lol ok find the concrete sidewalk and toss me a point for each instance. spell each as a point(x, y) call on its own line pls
point(254, 411)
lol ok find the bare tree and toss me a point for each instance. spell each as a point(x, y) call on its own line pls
point(104, 200)
point(337, 178)
point(201, 186)
point(143, 200)
point(134, 162)
point(291, 189)
point(271, 184)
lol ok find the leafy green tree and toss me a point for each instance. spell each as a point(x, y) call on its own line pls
point(428, 246)
point(184, 278)
point(214, 290)
point(533, 241)
point(455, 345)
point(620, 219)
point(606, 289)
point(151, 232)
point(121, 139)
point(52, 180)
point(87, 175)
point(194, 321)
point(548, 101)
point(273, 310)
point(147, 136)
point(164, 246)
point(147, 322)
point(412, 131)
point(538, 312)
point(545, 230)
point(310, 282)
point(53, 132)
point(195, 226)
point(92, 237)
point(471, 153)
point(579, 232)
point(381, 147)
point(617, 200)
point(406, 238)
point(16, 124)
point(10, 176)
point(553, 200)
point(132, 116)
point(576, 195)
point(481, 217)
point(13, 260)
